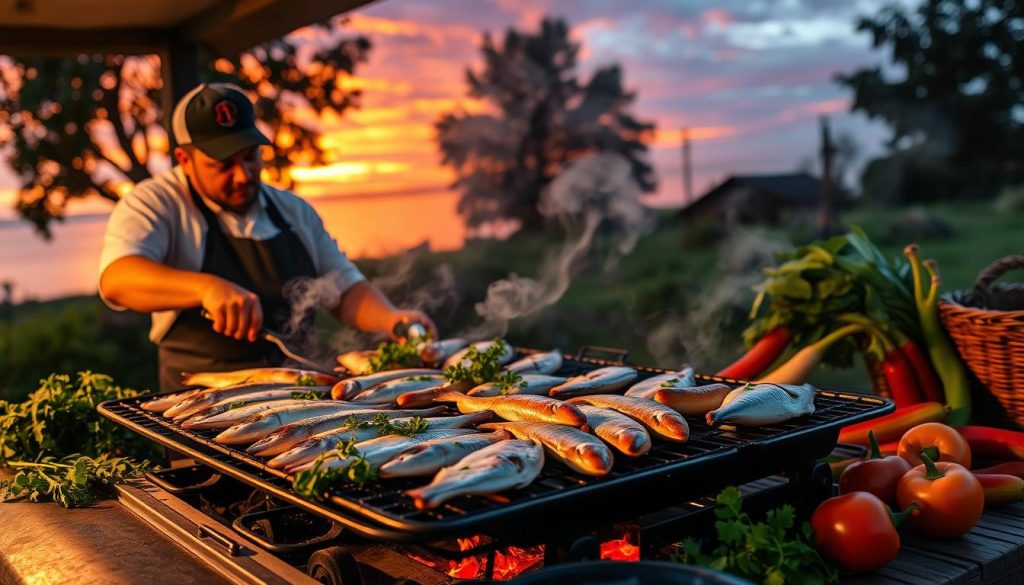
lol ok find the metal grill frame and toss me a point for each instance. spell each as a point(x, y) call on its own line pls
point(669, 474)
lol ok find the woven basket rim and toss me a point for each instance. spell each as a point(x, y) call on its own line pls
point(960, 299)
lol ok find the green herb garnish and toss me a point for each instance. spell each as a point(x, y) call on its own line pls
point(238, 404)
point(392, 355)
point(305, 380)
point(484, 366)
point(770, 552)
point(308, 395)
point(670, 383)
point(69, 481)
point(314, 482)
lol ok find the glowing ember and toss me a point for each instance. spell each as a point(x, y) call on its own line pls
point(508, 563)
point(620, 550)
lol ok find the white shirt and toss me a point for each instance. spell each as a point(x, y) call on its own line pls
point(158, 220)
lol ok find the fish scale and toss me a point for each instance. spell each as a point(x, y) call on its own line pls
point(580, 451)
point(511, 464)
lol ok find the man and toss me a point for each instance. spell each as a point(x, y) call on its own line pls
point(208, 237)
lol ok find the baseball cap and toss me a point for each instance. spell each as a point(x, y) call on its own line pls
point(218, 119)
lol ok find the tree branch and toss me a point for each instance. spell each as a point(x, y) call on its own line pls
point(111, 101)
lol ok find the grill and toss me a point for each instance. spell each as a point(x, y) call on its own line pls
point(667, 475)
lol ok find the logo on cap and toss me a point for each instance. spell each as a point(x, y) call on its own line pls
point(226, 113)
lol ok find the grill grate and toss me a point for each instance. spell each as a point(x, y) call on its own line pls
point(668, 474)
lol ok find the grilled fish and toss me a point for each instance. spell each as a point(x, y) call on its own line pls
point(358, 361)
point(227, 404)
point(658, 418)
point(764, 404)
point(347, 389)
point(645, 388)
point(427, 458)
point(547, 362)
point(388, 392)
point(618, 430)
point(696, 400)
point(520, 407)
point(599, 381)
point(582, 452)
point(257, 375)
point(436, 352)
point(162, 403)
point(498, 467)
point(322, 442)
point(427, 396)
point(232, 416)
point(459, 356)
point(257, 426)
point(212, 396)
point(536, 384)
point(380, 450)
point(289, 435)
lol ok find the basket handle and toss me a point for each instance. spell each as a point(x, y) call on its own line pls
point(980, 291)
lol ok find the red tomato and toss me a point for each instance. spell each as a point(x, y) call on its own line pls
point(856, 532)
point(951, 499)
point(877, 475)
point(941, 442)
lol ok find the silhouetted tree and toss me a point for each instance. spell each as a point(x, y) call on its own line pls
point(543, 117)
point(955, 105)
point(91, 126)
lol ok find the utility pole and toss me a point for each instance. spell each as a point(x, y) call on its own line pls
point(687, 169)
point(825, 192)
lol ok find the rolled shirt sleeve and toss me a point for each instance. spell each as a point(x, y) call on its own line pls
point(137, 227)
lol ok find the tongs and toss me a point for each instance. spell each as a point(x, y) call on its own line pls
point(275, 338)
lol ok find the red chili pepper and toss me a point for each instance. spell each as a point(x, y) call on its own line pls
point(927, 381)
point(1014, 468)
point(991, 443)
point(1000, 489)
point(892, 426)
point(762, 355)
point(900, 378)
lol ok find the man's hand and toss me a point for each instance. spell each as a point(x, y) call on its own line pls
point(235, 311)
point(402, 319)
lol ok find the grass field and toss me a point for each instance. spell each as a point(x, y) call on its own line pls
point(681, 295)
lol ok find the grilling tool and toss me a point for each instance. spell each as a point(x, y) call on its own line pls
point(275, 338)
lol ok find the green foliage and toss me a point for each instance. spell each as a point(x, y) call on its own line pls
point(772, 552)
point(392, 355)
point(546, 117)
point(484, 366)
point(56, 109)
point(60, 418)
point(313, 483)
point(70, 481)
point(952, 106)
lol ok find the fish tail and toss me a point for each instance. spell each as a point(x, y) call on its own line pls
point(449, 396)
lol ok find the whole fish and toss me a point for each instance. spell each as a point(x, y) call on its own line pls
point(348, 388)
point(658, 418)
point(427, 396)
point(324, 441)
point(436, 352)
point(618, 430)
point(764, 404)
point(695, 400)
point(520, 407)
point(536, 384)
point(289, 435)
point(459, 357)
point(429, 457)
point(547, 362)
point(239, 401)
point(388, 392)
point(253, 428)
point(380, 450)
point(214, 395)
point(232, 416)
point(580, 451)
point(599, 381)
point(162, 403)
point(684, 378)
point(495, 468)
point(258, 375)
point(358, 361)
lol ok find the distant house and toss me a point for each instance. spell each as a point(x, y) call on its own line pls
point(756, 199)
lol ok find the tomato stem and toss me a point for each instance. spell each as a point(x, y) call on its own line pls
point(932, 452)
point(876, 452)
point(899, 518)
point(933, 472)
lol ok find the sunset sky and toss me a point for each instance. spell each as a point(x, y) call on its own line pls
point(748, 78)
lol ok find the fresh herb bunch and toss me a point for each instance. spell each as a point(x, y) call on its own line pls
point(70, 481)
point(314, 482)
point(771, 552)
point(385, 426)
point(60, 418)
point(392, 355)
point(507, 381)
point(484, 366)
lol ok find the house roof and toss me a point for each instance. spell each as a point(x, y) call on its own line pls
point(791, 188)
point(226, 27)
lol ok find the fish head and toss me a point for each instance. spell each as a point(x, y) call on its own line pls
point(595, 459)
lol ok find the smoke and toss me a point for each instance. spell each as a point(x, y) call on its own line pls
point(696, 335)
point(594, 195)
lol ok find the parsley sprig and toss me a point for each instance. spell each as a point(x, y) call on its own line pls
point(385, 426)
point(69, 481)
point(770, 552)
point(484, 366)
point(314, 482)
point(308, 395)
point(392, 355)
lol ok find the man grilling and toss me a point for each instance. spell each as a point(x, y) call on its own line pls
point(209, 250)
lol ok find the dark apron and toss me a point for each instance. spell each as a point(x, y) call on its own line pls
point(260, 266)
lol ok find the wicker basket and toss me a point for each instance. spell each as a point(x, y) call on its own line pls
point(987, 326)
